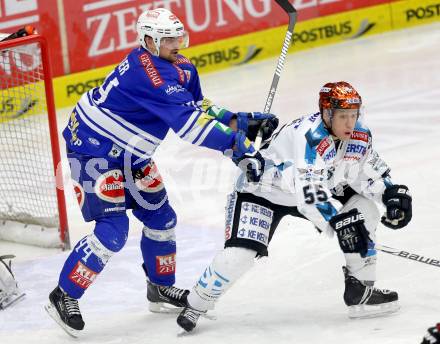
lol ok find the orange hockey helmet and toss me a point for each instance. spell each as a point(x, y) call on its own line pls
point(339, 95)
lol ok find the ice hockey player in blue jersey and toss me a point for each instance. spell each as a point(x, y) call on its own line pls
point(320, 167)
point(111, 137)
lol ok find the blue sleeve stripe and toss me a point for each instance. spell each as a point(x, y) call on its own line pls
point(327, 210)
point(310, 155)
point(204, 133)
point(193, 133)
point(189, 123)
point(125, 124)
point(148, 148)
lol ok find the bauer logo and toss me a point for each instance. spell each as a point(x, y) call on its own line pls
point(166, 265)
point(82, 276)
point(110, 187)
point(421, 13)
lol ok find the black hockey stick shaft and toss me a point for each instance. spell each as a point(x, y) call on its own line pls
point(24, 31)
point(408, 255)
point(291, 11)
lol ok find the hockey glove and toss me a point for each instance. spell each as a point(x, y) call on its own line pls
point(398, 202)
point(352, 234)
point(247, 158)
point(433, 335)
point(250, 122)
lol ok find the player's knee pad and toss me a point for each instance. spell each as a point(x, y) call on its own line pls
point(91, 254)
point(112, 231)
point(368, 208)
point(158, 245)
point(229, 265)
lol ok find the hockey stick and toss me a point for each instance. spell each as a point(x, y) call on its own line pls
point(408, 255)
point(24, 31)
point(291, 11)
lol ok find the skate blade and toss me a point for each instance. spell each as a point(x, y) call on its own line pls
point(51, 310)
point(181, 332)
point(373, 311)
point(12, 301)
point(160, 307)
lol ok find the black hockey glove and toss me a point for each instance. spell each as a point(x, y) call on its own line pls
point(352, 234)
point(398, 202)
point(433, 335)
point(250, 122)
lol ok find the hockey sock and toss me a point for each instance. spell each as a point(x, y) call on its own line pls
point(227, 267)
point(364, 269)
point(159, 253)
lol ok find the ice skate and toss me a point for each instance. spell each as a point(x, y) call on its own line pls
point(188, 318)
point(164, 299)
point(367, 301)
point(65, 311)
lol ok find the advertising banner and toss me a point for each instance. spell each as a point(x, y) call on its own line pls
point(102, 32)
point(415, 12)
point(238, 50)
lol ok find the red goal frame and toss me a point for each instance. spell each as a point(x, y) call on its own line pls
point(53, 129)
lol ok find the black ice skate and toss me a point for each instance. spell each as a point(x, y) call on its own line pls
point(161, 298)
point(187, 319)
point(65, 311)
point(366, 301)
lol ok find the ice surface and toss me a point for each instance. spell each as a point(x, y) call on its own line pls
point(294, 296)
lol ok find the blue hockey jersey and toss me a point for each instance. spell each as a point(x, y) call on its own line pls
point(139, 101)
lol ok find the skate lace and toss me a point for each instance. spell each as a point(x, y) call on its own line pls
point(173, 292)
point(72, 306)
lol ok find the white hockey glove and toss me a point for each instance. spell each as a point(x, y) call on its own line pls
point(9, 291)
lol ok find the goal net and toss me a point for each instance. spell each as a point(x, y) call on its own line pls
point(32, 207)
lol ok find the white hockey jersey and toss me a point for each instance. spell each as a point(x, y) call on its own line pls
point(305, 166)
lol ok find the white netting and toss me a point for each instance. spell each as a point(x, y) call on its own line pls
point(27, 184)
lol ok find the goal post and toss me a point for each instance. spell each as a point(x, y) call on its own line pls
point(32, 203)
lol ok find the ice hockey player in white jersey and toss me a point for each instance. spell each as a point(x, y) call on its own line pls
point(10, 293)
point(320, 167)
